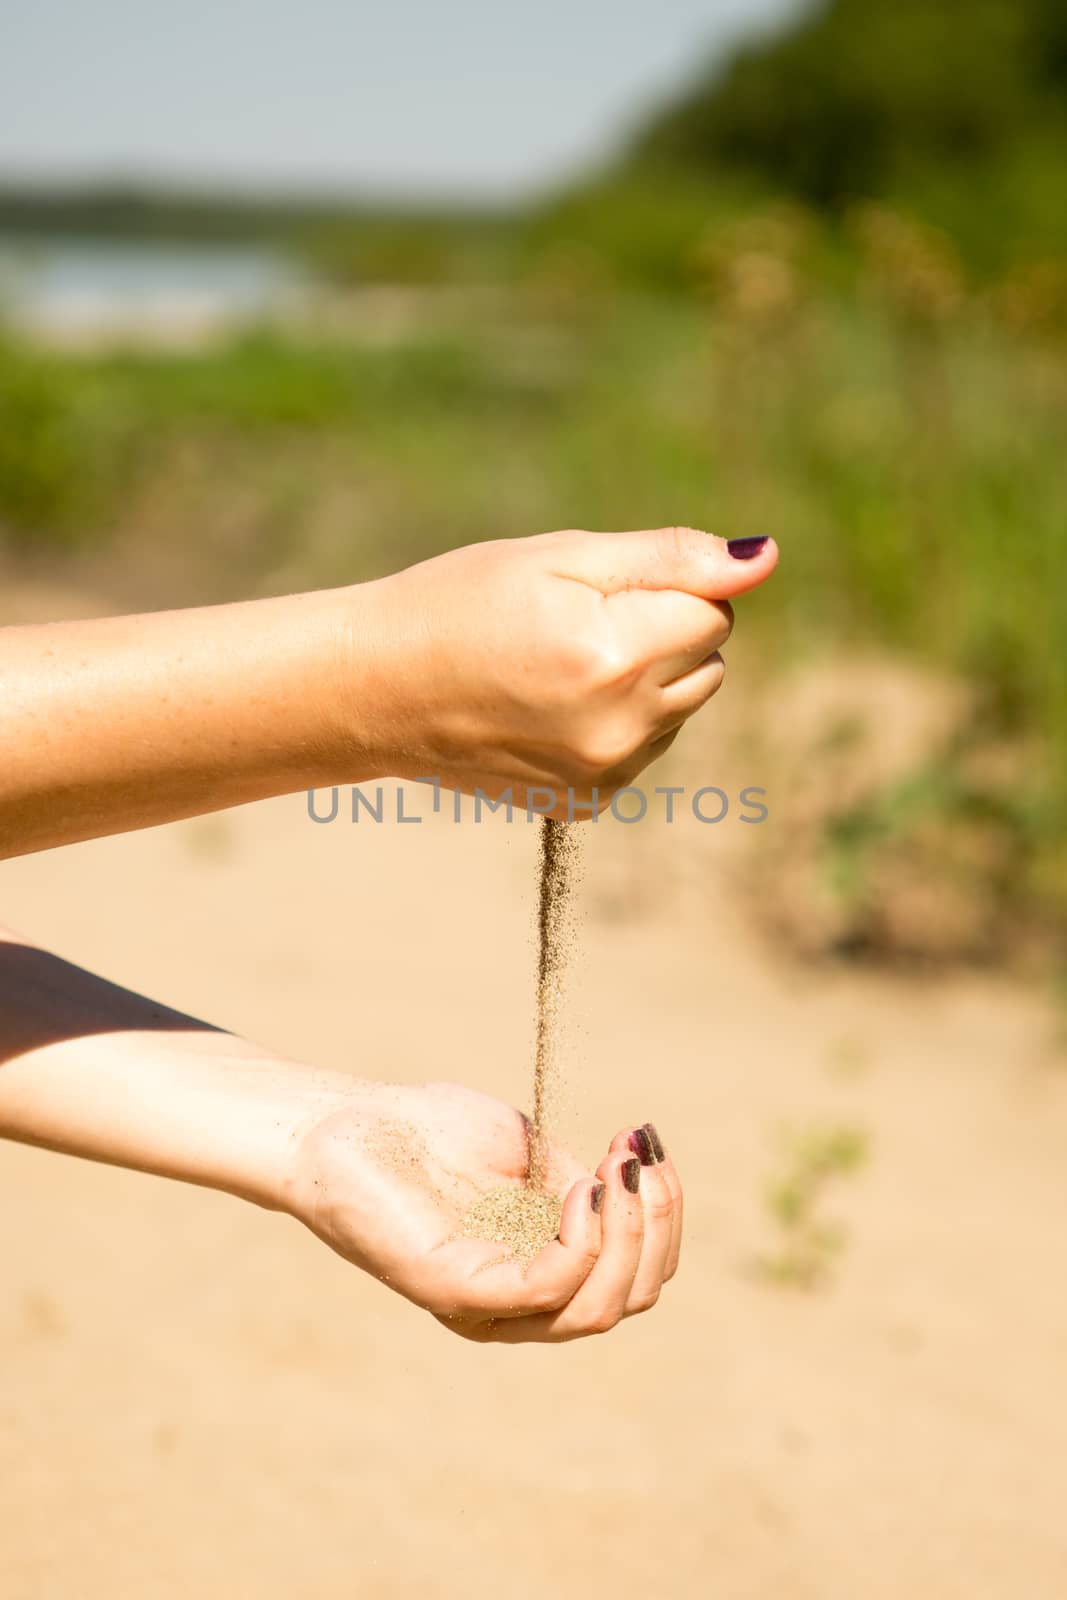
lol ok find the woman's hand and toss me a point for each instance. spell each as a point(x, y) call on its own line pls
point(563, 663)
point(387, 1178)
point(385, 1173)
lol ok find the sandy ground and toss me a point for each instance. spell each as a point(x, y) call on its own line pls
point(199, 1399)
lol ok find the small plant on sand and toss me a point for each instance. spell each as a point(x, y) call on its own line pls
point(807, 1243)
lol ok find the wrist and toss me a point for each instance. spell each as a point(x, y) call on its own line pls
point(370, 717)
point(266, 1111)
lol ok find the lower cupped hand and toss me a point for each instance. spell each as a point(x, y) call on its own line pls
point(387, 1178)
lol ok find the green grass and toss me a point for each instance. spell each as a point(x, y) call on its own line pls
point(807, 1243)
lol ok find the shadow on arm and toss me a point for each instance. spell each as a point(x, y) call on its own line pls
point(44, 999)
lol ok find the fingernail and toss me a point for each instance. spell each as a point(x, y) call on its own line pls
point(596, 1196)
point(631, 1174)
point(746, 549)
point(642, 1146)
point(655, 1141)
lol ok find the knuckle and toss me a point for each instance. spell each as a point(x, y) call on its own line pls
point(724, 626)
point(672, 545)
point(547, 1297)
point(582, 798)
point(643, 1301)
point(603, 1321)
point(664, 742)
point(631, 1225)
point(452, 1309)
point(590, 1257)
point(615, 741)
point(475, 1332)
point(714, 665)
point(607, 747)
point(714, 686)
point(603, 663)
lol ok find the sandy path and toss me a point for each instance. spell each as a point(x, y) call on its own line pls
point(200, 1400)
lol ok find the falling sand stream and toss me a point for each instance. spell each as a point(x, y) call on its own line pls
point(526, 1218)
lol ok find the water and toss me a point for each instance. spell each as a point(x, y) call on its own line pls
point(73, 282)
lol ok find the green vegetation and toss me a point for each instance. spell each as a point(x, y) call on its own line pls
point(813, 1158)
point(908, 456)
point(916, 102)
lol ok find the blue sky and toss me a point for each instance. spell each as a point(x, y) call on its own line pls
point(458, 97)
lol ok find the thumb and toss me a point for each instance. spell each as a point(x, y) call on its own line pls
point(670, 558)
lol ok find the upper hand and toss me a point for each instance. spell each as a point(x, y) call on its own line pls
point(567, 661)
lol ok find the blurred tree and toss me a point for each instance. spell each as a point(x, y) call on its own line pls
point(1048, 40)
point(862, 93)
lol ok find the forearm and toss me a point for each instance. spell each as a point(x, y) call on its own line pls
point(94, 1070)
point(567, 661)
point(127, 722)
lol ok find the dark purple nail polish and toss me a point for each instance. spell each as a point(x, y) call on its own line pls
point(596, 1196)
point(641, 1145)
point(746, 549)
point(654, 1140)
point(631, 1174)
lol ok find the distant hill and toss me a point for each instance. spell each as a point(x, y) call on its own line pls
point(147, 210)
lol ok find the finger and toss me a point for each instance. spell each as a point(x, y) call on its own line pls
point(661, 744)
point(645, 1143)
point(579, 1225)
point(570, 1323)
point(672, 631)
point(580, 804)
point(687, 694)
point(657, 1206)
point(667, 558)
point(579, 1229)
point(476, 1278)
point(624, 776)
point(600, 1303)
point(668, 1172)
